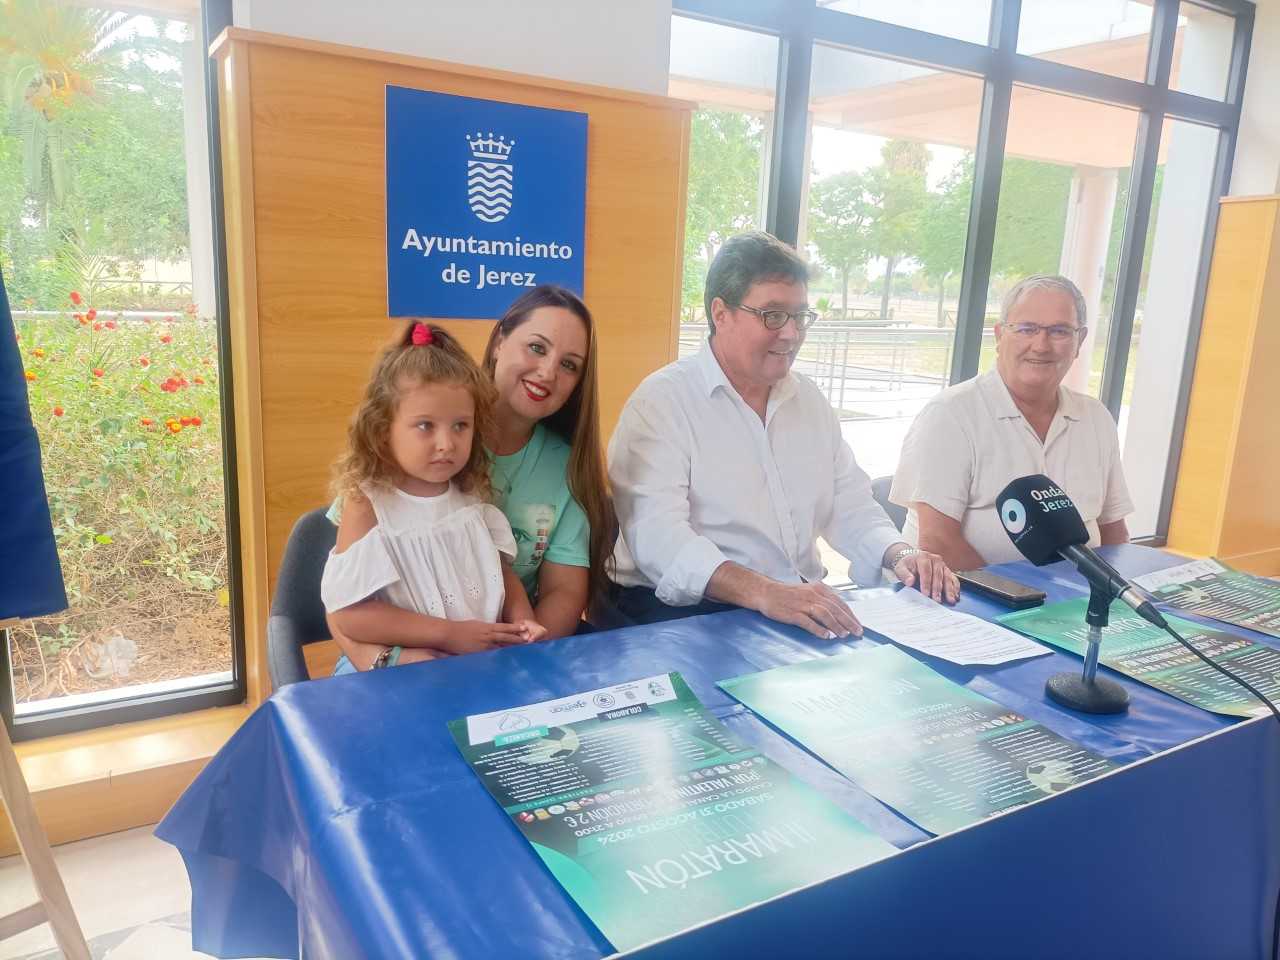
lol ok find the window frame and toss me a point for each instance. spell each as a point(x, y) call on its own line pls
point(799, 24)
point(215, 16)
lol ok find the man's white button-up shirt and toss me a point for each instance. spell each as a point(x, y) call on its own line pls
point(698, 480)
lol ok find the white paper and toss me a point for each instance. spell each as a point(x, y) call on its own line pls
point(1183, 573)
point(483, 727)
point(913, 620)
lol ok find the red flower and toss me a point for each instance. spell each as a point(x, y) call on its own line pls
point(145, 361)
point(166, 338)
point(75, 298)
point(198, 379)
point(185, 421)
point(98, 371)
point(111, 324)
point(97, 326)
point(92, 313)
point(147, 421)
point(195, 421)
point(58, 411)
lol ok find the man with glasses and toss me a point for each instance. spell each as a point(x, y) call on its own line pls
point(1018, 419)
point(726, 467)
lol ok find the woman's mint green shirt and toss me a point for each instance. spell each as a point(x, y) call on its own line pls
point(531, 487)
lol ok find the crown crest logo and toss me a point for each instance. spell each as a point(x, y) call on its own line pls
point(490, 177)
point(490, 149)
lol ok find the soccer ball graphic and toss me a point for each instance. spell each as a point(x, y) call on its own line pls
point(559, 743)
point(1050, 776)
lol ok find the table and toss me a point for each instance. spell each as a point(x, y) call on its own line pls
point(340, 820)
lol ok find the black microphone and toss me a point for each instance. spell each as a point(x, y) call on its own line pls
point(1046, 527)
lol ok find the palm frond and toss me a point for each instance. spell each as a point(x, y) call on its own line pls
point(33, 133)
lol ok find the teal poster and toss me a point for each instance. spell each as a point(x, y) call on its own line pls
point(1137, 649)
point(939, 754)
point(650, 814)
point(1210, 589)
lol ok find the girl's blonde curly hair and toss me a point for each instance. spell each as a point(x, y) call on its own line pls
point(402, 365)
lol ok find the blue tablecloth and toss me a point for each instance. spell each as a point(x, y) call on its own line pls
point(340, 820)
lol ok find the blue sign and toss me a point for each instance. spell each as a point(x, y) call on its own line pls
point(484, 200)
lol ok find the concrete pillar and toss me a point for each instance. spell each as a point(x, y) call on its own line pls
point(199, 193)
point(802, 232)
point(762, 187)
point(1084, 254)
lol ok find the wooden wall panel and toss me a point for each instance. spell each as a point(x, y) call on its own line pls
point(1231, 450)
point(1251, 532)
point(315, 185)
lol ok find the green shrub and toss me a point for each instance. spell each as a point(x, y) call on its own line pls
point(127, 410)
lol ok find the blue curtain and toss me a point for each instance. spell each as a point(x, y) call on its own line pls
point(30, 575)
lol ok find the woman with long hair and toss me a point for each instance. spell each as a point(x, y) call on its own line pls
point(547, 452)
point(547, 474)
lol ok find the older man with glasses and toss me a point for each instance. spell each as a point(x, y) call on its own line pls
point(1018, 419)
point(726, 467)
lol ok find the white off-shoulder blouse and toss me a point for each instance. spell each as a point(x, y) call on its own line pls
point(435, 555)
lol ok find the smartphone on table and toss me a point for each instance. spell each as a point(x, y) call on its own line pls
point(1010, 593)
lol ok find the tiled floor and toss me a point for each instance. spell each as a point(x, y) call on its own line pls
point(130, 893)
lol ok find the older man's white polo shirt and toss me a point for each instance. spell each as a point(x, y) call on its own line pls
point(971, 440)
point(698, 480)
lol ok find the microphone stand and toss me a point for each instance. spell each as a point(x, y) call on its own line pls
point(1088, 692)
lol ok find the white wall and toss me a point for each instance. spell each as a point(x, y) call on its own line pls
point(1257, 162)
point(614, 43)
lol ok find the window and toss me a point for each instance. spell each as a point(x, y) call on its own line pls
point(1062, 211)
point(1106, 36)
point(730, 74)
point(1162, 321)
point(108, 253)
point(1020, 168)
point(890, 181)
point(962, 19)
point(1202, 57)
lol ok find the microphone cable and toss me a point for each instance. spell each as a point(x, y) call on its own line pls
point(1275, 919)
point(1225, 672)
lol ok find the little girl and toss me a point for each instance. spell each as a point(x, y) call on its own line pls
point(416, 528)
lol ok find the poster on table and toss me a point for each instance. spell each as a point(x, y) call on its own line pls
point(941, 755)
point(1209, 588)
point(485, 200)
point(650, 814)
point(1146, 653)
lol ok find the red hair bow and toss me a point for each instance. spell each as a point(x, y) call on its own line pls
point(422, 335)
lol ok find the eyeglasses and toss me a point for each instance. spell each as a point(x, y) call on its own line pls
point(1059, 332)
point(777, 319)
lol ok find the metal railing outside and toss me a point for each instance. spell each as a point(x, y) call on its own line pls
point(853, 361)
